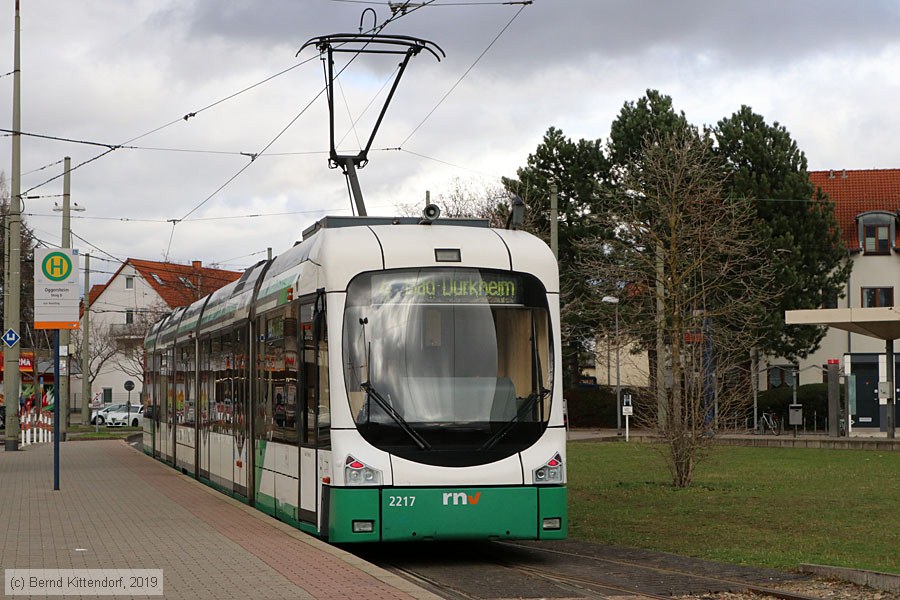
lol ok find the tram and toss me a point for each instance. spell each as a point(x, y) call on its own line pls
point(385, 379)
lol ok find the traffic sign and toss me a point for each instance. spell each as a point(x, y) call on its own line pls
point(56, 290)
point(11, 337)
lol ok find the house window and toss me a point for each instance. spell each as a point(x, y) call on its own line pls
point(129, 316)
point(877, 239)
point(875, 297)
point(129, 282)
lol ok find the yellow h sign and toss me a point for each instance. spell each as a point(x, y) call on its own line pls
point(57, 266)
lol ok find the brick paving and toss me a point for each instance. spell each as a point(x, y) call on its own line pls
point(119, 509)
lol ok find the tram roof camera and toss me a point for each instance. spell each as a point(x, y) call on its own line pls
point(431, 212)
point(516, 214)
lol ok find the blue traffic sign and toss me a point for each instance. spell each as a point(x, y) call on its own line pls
point(11, 338)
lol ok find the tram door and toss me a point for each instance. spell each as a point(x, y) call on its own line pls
point(276, 435)
point(185, 390)
point(240, 420)
point(315, 404)
point(307, 491)
point(151, 420)
point(166, 395)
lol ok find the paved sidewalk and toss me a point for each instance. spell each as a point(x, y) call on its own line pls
point(119, 509)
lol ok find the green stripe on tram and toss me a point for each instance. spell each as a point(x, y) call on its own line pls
point(406, 514)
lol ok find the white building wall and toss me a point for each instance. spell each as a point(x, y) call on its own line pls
point(110, 308)
point(868, 271)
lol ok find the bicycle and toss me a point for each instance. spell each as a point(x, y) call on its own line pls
point(770, 421)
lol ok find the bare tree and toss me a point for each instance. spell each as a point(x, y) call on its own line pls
point(102, 349)
point(468, 199)
point(689, 272)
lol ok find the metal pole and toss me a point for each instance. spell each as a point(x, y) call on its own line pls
point(889, 416)
point(63, 384)
point(554, 219)
point(86, 345)
point(12, 313)
point(56, 424)
point(834, 408)
point(618, 380)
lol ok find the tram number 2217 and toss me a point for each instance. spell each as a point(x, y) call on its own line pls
point(401, 500)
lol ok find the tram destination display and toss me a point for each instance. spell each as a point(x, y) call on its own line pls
point(449, 287)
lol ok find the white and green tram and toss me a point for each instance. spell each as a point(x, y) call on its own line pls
point(386, 379)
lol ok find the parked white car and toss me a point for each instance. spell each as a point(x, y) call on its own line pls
point(99, 414)
point(126, 416)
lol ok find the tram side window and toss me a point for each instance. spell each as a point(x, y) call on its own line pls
point(280, 362)
point(238, 380)
point(185, 400)
point(308, 374)
point(206, 377)
point(221, 367)
point(516, 361)
point(153, 386)
point(263, 420)
point(164, 389)
point(323, 421)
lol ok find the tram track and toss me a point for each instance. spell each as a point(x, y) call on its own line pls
point(721, 582)
point(525, 570)
point(584, 586)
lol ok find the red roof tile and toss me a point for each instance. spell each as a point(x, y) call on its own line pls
point(855, 192)
point(177, 285)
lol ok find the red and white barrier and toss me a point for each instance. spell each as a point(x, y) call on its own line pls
point(36, 428)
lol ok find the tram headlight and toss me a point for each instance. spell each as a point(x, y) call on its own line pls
point(358, 473)
point(551, 472)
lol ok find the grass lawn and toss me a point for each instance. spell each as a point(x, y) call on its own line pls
point(759, 506)
point(92, 432)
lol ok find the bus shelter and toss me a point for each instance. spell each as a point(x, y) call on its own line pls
point(882, 323)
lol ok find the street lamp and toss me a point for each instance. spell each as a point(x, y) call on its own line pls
point(614, 300)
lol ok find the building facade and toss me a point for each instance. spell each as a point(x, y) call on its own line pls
point(867, 207)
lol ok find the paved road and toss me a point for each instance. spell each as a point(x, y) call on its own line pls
point(118, 509)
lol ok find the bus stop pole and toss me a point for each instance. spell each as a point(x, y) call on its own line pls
point(55, 409)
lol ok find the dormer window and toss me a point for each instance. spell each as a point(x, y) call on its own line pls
point(876, 232)
point(877, 239)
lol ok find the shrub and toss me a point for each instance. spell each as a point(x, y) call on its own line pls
point(813, 397)
point(593, 406)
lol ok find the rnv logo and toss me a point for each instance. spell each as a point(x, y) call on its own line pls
point(459, 498)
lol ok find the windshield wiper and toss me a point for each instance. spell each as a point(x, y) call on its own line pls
point(526, 407)
point(386, 407)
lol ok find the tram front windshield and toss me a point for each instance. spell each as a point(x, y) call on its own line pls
point(448, 366)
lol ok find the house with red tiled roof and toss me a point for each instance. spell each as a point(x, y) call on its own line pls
point(123, 308)
point(867, 207)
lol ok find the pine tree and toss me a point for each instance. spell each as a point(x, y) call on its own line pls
point(579, 170)
point(808, 259)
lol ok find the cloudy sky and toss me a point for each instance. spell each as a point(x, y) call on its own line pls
point(101, 73)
